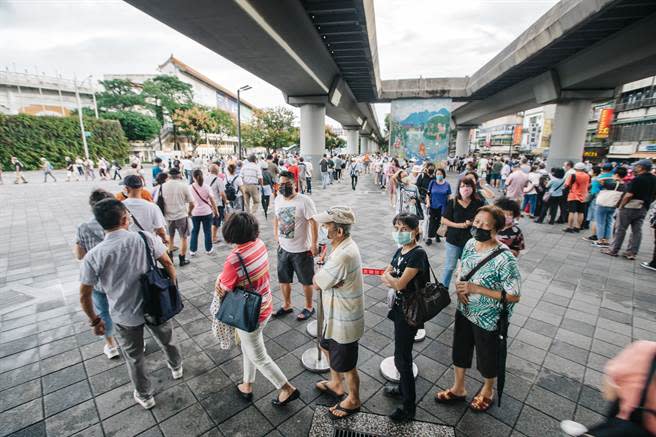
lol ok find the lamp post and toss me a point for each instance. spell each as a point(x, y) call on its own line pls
point(244, 88)
point(79, 113)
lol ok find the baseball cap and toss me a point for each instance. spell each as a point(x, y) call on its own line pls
point(336, 214)
point(607, 166)
point(646, 163)
point(174, 171)
point(579, 166)
point(133, 181)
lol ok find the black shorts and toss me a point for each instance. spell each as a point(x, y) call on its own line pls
point(343, 357)
point(301, 263)
point(575, 206)
point(466, 337)
point(217, 220)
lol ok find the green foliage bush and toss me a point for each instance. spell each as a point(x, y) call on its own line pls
point(30, 137)
point(137, 127)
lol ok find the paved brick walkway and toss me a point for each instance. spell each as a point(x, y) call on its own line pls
point(578, 309)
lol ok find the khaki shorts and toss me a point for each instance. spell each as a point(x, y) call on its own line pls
point(181, 225)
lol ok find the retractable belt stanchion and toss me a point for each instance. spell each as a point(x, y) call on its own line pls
point(313, 359)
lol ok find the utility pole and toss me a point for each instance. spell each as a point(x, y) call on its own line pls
point(244, 88)
point(79, 113)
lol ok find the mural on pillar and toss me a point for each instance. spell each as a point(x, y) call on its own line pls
point(419, 129)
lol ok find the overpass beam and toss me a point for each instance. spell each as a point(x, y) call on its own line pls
point(462, 141)
point(352, 139)
point(569, 130)
point(313, 136)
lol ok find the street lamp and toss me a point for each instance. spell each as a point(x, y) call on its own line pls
point(244, 88)
point(79, 112)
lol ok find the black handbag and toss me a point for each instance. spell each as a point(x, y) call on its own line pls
point(161, 296)
point(241, 307)
point(425, 303)
point(634, 426)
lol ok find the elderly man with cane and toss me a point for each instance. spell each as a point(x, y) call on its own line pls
point(340, 280)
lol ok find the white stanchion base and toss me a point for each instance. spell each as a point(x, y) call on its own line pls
point(421, 335)
point(389, 372)
point(315, 362)
point(311, 328)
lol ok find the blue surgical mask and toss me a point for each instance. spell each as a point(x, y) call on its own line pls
point(402, 238)
point(440, 177)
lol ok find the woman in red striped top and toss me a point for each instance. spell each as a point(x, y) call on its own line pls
point(242, 230)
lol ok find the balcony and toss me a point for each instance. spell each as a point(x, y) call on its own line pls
point(642, 103)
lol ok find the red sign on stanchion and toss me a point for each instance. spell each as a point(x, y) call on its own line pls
point(372, 272)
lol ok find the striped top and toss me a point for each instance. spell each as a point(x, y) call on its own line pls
point(343, 293)
point(255, 257)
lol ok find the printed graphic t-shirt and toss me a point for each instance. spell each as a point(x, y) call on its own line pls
point(293, 228)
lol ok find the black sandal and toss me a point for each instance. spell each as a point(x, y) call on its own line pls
point(348, 411)
point(282, 312)
point(292, 397)
point(322, 386)
point(305, 314)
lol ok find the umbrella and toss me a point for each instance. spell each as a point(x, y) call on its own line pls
point(502, 345)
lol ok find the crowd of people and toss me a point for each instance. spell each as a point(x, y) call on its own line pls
point(478, 220)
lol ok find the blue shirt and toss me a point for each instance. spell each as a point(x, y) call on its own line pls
point(439, 194)
point(595, 187)
point(556, 186)
point(156, 170)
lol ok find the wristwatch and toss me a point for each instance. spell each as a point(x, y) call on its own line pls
point(95, 321)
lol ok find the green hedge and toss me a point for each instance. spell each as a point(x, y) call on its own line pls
point(30, 137)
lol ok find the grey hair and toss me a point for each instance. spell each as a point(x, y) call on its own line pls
point(344, 227)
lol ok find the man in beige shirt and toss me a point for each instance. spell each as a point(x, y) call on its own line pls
point(178, 204)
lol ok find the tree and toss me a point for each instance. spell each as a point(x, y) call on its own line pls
point(224, 124)
point(168, 94)
point(193, 123)
point(119, 94)
point(332, 140)
point(137, 126)
point(270, 128)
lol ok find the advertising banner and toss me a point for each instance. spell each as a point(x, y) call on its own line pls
point(517, 135)
point(605, 120)
point(419, 129)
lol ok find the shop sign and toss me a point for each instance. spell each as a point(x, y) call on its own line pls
point(622, 149)
point(517, 134)
point(605, 120)
point(647, 148)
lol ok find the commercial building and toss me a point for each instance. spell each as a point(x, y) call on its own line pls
point(499, 136)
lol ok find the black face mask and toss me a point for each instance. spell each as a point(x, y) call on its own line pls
point(287, 190)
point(481, 235)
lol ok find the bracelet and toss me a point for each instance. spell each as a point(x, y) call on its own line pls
point(95, 321)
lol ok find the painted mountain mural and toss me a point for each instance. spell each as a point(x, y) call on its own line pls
point(420, 129)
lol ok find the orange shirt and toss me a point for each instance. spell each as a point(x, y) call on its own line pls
point(145, 195)
point(579, 189)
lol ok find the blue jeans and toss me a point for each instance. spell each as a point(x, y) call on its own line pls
point(206, 222)
point(325, 179)
point(531, 200)
point(592, 210)
point(604, 219)
point(101, 305)
point(451, 257)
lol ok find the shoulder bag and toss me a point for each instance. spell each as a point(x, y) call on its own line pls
point(161, 296)
point(609, 198)
point(241, 307)
point(201, 197)
point(426, 302)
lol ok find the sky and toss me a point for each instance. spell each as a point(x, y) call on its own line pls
point(428, 38)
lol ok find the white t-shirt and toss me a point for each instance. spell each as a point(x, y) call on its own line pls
point(147, 214)
point(293, 228)
point(187, 164)
point(176, 197)
point(236, 181)
point(217, 187)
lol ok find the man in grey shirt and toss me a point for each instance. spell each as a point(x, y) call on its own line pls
point(115, 266)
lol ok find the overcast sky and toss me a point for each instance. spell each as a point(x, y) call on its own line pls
point(429, 38)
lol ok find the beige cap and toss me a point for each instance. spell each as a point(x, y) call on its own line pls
point(336, 214)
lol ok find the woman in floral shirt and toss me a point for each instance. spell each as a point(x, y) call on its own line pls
point(479, 307)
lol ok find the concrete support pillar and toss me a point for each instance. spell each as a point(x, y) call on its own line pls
point(364, 145)
point(351, 141)
point(569, 130)
point(313, 139)
point(462, 141)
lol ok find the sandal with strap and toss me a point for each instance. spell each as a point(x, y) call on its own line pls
point(448, 397)
point(480, 403)
point(305, 314)
point(348, 411)
point(629, 256)
point(322, 386)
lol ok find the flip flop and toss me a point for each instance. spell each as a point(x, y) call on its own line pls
point(322, 386)
point(480, 403)
point(448, 397)
point(283, 312)
point(348, 411)
point(305, 314)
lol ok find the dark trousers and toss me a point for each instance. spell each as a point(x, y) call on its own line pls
point(206, 222)
point(117, 175)
point(338, 173)
point(354, 181)
point(563, 207)
point(435, 216)
point(404, 339)
point(552, 207)
point(265, 203)
point(309, 185)
point(653, 259)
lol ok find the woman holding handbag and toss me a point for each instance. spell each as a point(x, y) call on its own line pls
point(612, 188)
point(490, 273)
point(204, 209)
point(248, 264)
point(409, 268)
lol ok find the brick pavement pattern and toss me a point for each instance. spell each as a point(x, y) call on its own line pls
point(578, 309)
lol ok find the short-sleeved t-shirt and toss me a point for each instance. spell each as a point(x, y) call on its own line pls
point(89, 234)
point(515, 184)
point(511, 237)
point(115, 266)
point(416, 258)
point(500, 273)
point(177, 196)
point(459, 214)
point(578, 190)
point(293, 227)
point(146, 213)
point(217, 186)
point(439, 194)
point(202, 202)
point(643, 187)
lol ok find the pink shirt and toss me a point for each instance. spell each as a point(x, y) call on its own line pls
point(202, 202)
point(628, 371)
point(515, 184)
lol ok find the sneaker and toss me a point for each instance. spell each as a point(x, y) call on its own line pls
point(429, 241)
point(600, 244)
point(571, 428)
point(147, 403)
point(210, 252)
point(110, 351)
point(568, 230)
point(192, 253)
point(648, 266)
point(177, 373)
point(590, 238)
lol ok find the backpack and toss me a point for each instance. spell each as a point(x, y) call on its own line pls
point(230, 191)
point(324, 165)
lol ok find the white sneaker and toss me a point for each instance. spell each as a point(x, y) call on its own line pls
point(210, 252)
point(647, 266)
point(572, 428)
point(146, 403)
point(177, 373)
point(192, 253)
point(110, 351)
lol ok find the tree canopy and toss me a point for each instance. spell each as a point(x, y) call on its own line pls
point(270, 128)
point(118, 94)
point(137, 126)
point(166, 93)
point(332, 140)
